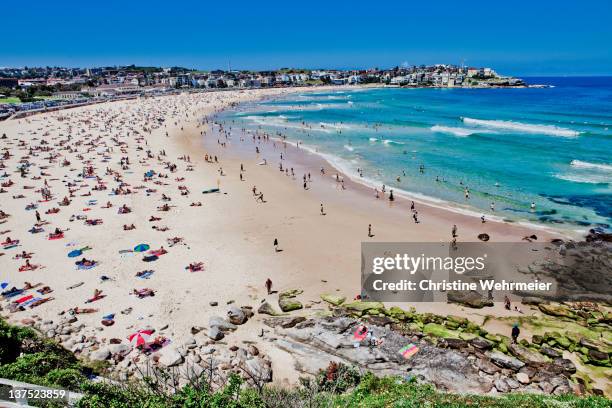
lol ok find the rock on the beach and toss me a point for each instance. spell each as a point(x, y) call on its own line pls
point(284, 322)
point(258, 369)
point(169, 357)
point(470, 299)
point(505, 361)
point(221, 323)
point(266, 308)
point(360, 307)
point(522, 378)
point(254, 351)
point(335, 300)
point(190, 343)
point(289, 304)
point(215, 333)
point(121, 349)
point(236, 315)
point(526, 355)
point(100, 355)
point(567, 365)
point(291, 293)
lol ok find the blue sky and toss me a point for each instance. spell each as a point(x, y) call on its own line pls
point(515, 37)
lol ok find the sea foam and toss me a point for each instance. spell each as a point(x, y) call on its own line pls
point(455, 131)
point(579, 164)
point(522, 127)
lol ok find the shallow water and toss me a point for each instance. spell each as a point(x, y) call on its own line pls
point(511, 147)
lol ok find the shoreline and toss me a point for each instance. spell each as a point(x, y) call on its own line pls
point(366, 186)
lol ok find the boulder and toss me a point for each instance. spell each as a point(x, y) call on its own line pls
point(266, 308)
point(236, 315)
point(487, 366)
point(598, 358)
point(456, 344)
point(254, 351)
point(595, 345)
point(169, 357)
point(437, 330)
point(481, 343)
point(526, 355)
point(549, 352)
point(565, 364)
point(291, 293)
point(189, 343)
point(288, 304)
point(558, 310)
point(501, 385)
point(361, 308)
point(468, 298)
point(215, 333)
point(221, 323)
point(335, 300)
point(284, 322)
point(522, 378)
point(505, 361)
point(121, 349)
point(100, 355)
point(258, 369)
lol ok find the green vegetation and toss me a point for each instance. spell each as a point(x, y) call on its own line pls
point(10, 99)
point(26, 357)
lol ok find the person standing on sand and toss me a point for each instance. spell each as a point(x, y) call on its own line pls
point(269, 285)
point(276, 244)
point(37, 216)
point(370, 231)
point(322, 210)
point(454, 231)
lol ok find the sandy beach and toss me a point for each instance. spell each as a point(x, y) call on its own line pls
point(231, 233)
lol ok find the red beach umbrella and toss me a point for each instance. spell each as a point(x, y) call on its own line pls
point(141, 337)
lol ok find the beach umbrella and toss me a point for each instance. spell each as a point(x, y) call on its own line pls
point(140, 338)
point(141, 247)
point(3, 285)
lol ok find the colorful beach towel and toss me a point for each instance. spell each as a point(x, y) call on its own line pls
point(409, 350)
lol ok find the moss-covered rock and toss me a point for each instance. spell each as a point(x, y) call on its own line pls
point(291, 293)
point(360, 308)
point(437, 330)
point(288, 304)
point(558, 310)
point(335, 300)
point(526, 355)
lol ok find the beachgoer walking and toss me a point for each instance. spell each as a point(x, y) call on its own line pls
point(269, 285)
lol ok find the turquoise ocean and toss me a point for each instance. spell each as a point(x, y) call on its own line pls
point(551, 146)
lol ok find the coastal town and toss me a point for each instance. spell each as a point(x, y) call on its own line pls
point(26, 90)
